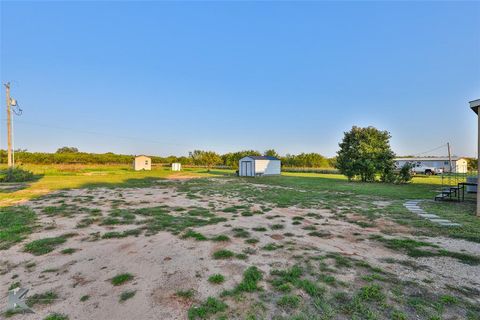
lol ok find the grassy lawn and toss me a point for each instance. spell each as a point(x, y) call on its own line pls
point(57, 177)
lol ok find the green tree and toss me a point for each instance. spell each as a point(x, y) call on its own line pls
point(472, 164)
point(365, 153)
point(67, 150)
point(271, 153)
point(231, 159)
point(205, 158)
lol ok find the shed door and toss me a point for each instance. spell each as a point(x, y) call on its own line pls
point(247, 169)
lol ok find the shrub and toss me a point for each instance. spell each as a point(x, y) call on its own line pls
point(16, 175)
point(405, 174)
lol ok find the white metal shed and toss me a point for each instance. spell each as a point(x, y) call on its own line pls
point(252, 166)
point(142, 163)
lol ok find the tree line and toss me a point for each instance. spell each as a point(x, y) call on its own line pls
point(71, 155)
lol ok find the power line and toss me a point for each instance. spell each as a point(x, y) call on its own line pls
point(100, 133)
point(434, 149)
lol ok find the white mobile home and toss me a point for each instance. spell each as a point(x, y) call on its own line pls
point(142, 163)
point(459, 165)
point(252, 166)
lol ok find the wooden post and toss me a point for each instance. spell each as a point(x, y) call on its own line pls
point(478, 172)
point(9, 126)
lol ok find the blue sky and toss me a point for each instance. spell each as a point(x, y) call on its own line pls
point(168, 77)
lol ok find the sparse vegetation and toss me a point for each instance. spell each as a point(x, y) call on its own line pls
point(44, 246)
point(223, 254)
point(216, 278)
point(121, 279)
point(208, 308)
point(127, 295)
point(15, 224)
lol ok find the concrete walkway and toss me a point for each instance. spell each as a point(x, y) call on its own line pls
point(413, 207)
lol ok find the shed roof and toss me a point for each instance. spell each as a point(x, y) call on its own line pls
point(428, 159)
point(475, 104)
point(262, 158)
point(142, 156)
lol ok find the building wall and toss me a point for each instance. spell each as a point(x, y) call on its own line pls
point(459, 166)
point(142, 163)
point(267, 167)
point(259, 167)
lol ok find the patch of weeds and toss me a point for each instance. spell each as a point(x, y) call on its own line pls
point(411, 247)
point(288, 234)
point(68, 251)
point(271, 247)
point(320, 234)
point(277, 226)
point(121, 279)
point(159, 219)
point(289, 302)
point(186, 294)
point(208, 308)
point(84, 298)
point(252, 241)
point(241, 256)
point(48, 297)
point(220, 237)
point(195, 235)
point(298, 218)
point(448, 300)
point(311, 288)
point(247, 213)
point(44, 246)
point(251, 276)
point(340, 261)
point(14, 285)
point(371, 293)
point(240, 233)
point(259, 229)
point(309, 228)
point(223, 254)
point(56, 316)
point(399, 315)
point(328, 279)
point(126, 233)
point(216, 278)
point(372, 277)
point(85, 222)
point(127, 295)
point(296, 222)
point(15, 224)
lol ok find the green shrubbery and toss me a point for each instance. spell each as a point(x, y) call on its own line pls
point(16, 175)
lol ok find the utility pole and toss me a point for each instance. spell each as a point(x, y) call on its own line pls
point(449, 157)
point(9, 125)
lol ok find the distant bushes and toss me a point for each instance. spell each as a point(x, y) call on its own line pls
point(210, 159)
point(16, 175)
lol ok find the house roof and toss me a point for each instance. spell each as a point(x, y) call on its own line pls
point(142, 155)
point(427, 159)
point(475, 104)
point(262, 158)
